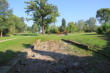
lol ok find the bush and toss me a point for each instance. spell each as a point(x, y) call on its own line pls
point(99, 30)
point(53, 29)
point(104, 29)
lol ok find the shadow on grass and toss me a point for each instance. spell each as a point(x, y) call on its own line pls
point(60, 63)
point(6, 57)
point(106, 49)
point(90, 34)
point(28, 46)
point(28, 34)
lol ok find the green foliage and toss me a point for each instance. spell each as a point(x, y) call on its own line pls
point(47, 28)
point(100, 30)
point(3, 8)
point(29, 29)
point(9, 23)
point(53, 29)
point(16, 24)
point(35, 28)
point(80, 25)
point(104, 29)
point(63, 26)
point(86, 28)
point(3, 15)
point(43, 12)
point(103, 15)
point(91, 24)
point(107, 28)
point(71, 27)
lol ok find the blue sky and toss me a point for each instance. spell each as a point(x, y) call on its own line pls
point(71, 10)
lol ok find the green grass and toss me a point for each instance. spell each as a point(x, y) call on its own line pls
point(26, 34)
point(5, 38)
point(9, 49)
point(92, 40)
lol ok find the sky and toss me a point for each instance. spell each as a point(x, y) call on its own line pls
point(71, 10)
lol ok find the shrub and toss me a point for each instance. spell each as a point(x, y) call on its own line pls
point(104, 29)
point(99, 30)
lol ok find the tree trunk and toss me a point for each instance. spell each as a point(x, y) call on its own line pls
point(43, 29)
point(1, 34)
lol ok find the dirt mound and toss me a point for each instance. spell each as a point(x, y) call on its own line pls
point(51, 45)
point(48, 57)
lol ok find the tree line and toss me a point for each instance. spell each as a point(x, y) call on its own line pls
point(10, 23)
point(44, 16)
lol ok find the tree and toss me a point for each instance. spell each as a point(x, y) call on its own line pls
point(80, 25)
point(71, 27)
point(11, 24)
point(86, 28)
point(91, 23)
point(35, 28)
point(63, 27)
point(43, 13)
point(53, 29)
point(103, 15)
point(29, 29)
point(3, 15)
point(19, 24)
point(16, 24)
point(24, 25)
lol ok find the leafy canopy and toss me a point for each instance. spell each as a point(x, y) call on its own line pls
point(63, 27)
point(3, 14)
point(103, 15)
point(71, 27)
point(42, 12)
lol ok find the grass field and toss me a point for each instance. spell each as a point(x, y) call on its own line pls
point(10, 48)
point(4, 38)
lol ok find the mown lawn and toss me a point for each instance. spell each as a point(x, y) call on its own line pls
point(9, 49)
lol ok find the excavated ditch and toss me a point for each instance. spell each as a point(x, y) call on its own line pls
point(52, 57)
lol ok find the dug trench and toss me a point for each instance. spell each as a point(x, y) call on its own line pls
point(53, 57)
point(86, 47)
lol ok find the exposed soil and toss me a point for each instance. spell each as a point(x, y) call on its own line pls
point(52, 57)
